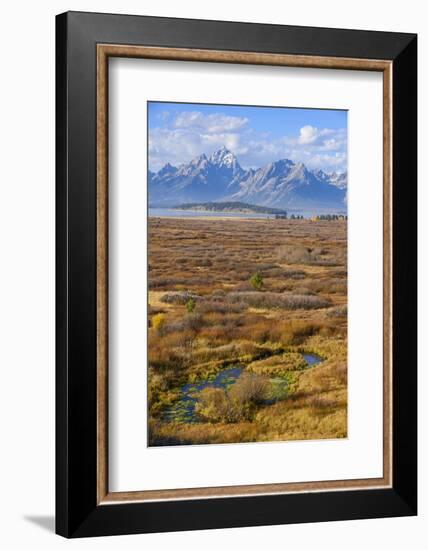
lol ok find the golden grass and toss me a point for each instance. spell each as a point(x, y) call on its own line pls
point(213, 260)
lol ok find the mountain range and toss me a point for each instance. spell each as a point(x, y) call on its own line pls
point(219, 177)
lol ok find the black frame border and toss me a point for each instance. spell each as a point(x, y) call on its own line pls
point(77, 512)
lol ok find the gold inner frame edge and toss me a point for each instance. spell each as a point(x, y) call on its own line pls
point(104, 52)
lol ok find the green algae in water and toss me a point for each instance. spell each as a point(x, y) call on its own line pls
point(183, 410)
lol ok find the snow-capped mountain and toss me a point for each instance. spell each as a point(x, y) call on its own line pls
point(202, 179)
point(286, 184)
point(340, 180)
point(282, 184)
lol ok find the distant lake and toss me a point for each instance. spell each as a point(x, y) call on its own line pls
point(168, 212)
point(172, 212)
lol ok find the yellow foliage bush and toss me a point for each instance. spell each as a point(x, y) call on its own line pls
point(158, 321)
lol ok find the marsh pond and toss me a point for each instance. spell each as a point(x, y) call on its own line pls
point(183, 410)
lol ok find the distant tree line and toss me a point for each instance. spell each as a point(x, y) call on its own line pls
point(331, 217)
point(321, 217)
point(230, 206)
point(284, 216)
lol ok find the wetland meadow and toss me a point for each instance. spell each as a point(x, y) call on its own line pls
point(247, 337)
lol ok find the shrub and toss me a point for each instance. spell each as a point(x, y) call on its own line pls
point(191, 322)
point(278, 300)
point(301, 330)
point(256, 281)
point(237, 404)
point(158, 321)
point(250, 388)
point(215, 405)
point(294, 254)
point(170, 350)
point(281, 273)
point(190, 305)
point(164, 282)
point(220, 306)
point(304, 290)
point(218, 292)
point(179, 297)
point(305, 255)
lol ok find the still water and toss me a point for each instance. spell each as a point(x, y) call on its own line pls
point(172, 212)
point(183, 410)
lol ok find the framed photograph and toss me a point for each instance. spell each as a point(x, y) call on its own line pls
point(236, 274)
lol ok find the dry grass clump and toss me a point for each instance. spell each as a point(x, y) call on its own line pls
point(215, 406)
point(276, 271)
point(208, 353)
point(170, 351)
point(267, 300)
point(255, 331)
point(335, 286)
point(295, 254)
point(161, 391)
point(304, 290)
point(236, 404)
point(292, 254)
point(179, 297)
point(153, 310)
point(156, 283)
point(220, 306)
point(296, 332)
point(318, 403)
point(250, 388)
point(339, 311)
point(190, 322)
point(202, 433)
point(278, 365)
point(340, 370)
point(335, 348)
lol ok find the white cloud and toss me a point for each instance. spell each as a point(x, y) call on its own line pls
point(164, 115)
point(308, 134)
point(189, 134)
point(214, 123)
point(328, 163)
point(322, 138)
point(178, 145)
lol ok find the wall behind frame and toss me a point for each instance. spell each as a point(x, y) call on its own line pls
point(27, 271)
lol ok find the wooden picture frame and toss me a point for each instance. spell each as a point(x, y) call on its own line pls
point(85, 42)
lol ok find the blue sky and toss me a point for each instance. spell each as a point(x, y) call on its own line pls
point(178, 132)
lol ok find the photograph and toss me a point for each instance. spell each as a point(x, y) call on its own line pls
point(212, 275)
point(247, 273)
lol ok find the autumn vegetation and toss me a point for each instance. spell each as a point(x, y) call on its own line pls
point(255, 294)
